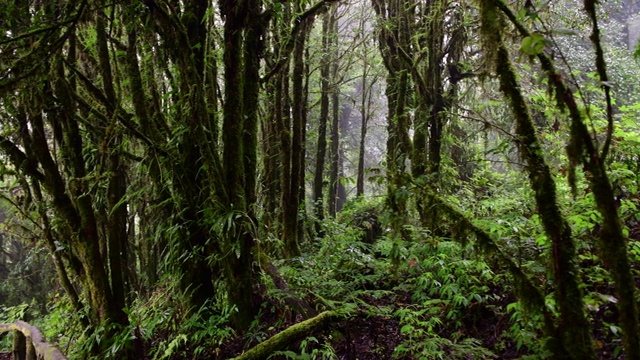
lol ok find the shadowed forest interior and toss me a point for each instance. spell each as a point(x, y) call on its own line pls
point(320, 179)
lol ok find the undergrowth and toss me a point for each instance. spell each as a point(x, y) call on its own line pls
point(437, 299)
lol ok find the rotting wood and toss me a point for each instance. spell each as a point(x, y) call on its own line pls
point(35, 347)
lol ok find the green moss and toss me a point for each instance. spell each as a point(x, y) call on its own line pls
point(288, 336)
point(573, 338)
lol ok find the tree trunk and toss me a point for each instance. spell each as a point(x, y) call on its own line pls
point(574, 338)
point(393, 40)
point(239, 132)
point(365, 106)
point(335, 153)
point(117, 230)
point(285, 126)
point(341, 191)
point(334, 157)
point(296, 175)
point(325, 70)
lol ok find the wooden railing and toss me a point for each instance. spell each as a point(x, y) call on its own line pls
point(29, 344)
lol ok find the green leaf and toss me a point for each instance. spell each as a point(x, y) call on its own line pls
point(533, 45)
point(406, 329)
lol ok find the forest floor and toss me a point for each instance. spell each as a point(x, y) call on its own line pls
point(373, 330)
point(366, 337)
point(375, 338)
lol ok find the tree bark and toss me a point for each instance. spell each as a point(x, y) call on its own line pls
point(582, 149)
point(393, 40)
point(296, 175)
point(365, 108)
point(325, 69)
point(289, 336)
point(574, 338)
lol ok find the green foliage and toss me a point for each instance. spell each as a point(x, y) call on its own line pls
point(524, 331)
point(440, 348)
point(310, 349)
point(62, 323)
point(342, 264)
point(13, 313)
point(158, 326)
point(9, 314)
point(163, 316)
point(533, 45)
point(445, 286)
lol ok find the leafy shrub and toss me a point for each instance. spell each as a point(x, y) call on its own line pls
point(364, 214)
point(444, 286)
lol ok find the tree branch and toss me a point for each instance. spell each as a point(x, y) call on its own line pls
point(286, 337)
point(316, 9)
point(20, 159)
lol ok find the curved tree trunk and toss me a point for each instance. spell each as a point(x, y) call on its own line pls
point(574, 337)
point(582, 149)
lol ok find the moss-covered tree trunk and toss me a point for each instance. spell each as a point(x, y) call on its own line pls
point(365, 114)
point(285, 338)
point(270, 141)
point(149, 118)
point(340, 190)
point(430, 116)
point(574, 337)
point(613, 243)
point(241, 64)
point(75, 209)
point(364, 120)
point(116, 222)
point(291, 221)
point(49, 144)
point(334, 135)
point(393, 41)
point(583, 150)
point(195, 160)
point(323, 119)
point(431, 111)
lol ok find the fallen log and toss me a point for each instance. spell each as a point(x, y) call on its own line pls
point(29, 343)
point(288, 336)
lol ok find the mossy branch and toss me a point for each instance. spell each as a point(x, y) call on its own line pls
point(20, 160)
point(582, 149)
point(581, 141)
point(299, 23)
point(573, 328)
point(288, 336)
point(601, 67)
point(532, 298)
